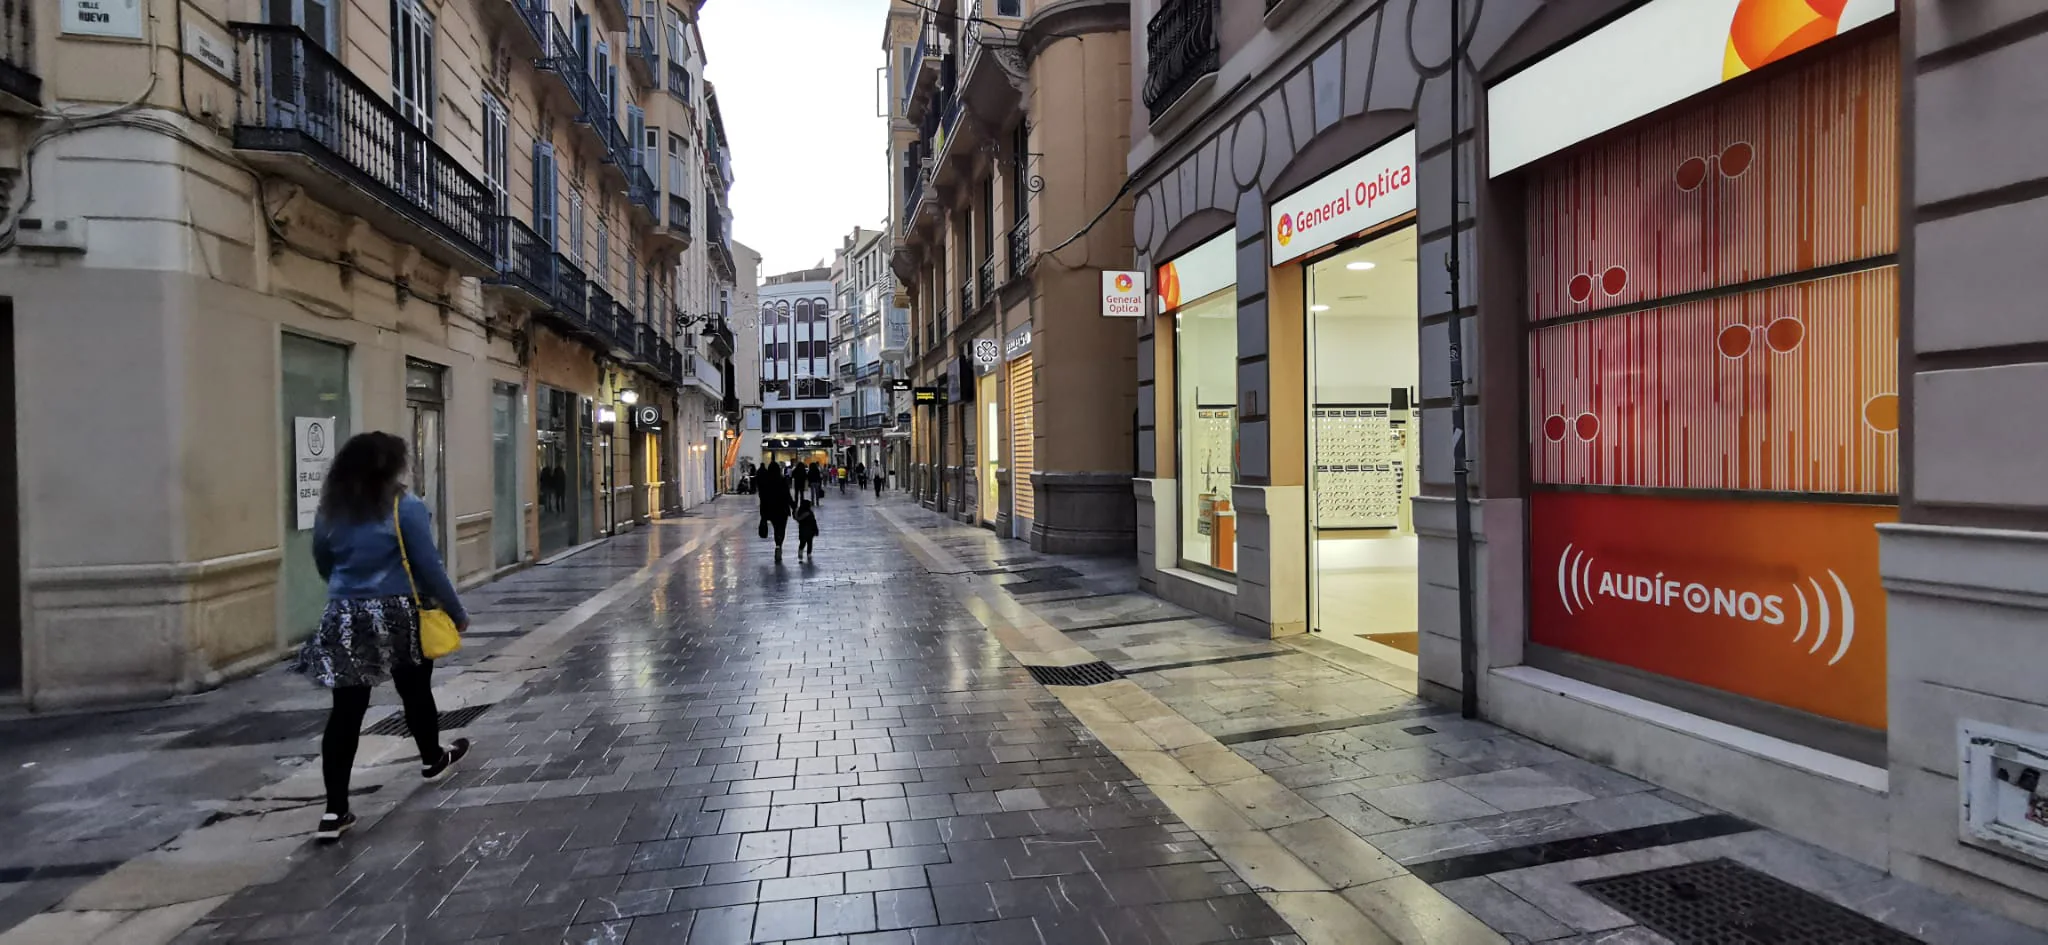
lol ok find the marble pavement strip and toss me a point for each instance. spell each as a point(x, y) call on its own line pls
point(1433, 827)
point(255, 836)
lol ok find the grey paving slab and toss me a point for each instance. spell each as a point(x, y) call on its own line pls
point(746, 751)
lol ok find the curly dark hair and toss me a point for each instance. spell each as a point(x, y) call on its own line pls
point(364, 479)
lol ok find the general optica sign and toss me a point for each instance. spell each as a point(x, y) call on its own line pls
point(1358, 196)
point(1778, 601)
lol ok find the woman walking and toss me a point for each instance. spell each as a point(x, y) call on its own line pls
point(374, 544)
point(817, 481)
point(775, 503)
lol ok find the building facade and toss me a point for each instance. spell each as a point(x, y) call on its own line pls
point(745, 449)
point(1009, 129)
point(1555, 355)
point(863, 285)
point(796, 367)
point(436, 220)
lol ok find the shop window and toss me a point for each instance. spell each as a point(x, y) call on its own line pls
point(1199, 291)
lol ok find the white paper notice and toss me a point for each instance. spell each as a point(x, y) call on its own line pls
point(313, 443)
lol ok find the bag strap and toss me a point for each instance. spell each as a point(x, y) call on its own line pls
point(403, 558)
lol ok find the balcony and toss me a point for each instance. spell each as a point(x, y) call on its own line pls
point(525, 264)
point(589, 106)
point(650, 349)
point(868, 370)
point(641, 194)
point(679, 219)
point(986, 82)
point(301, 115)
point(571, 299)
point(967, 298)
point(929, 45)
point(1181, 52)
point(1020, 248)
point(679, 81)
point(641, 55)
point(21, 90)
point(704, 374)
point(530, 25)
point(985, 280)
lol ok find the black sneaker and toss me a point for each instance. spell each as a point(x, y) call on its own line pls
point(449, 756)
point(332, 826)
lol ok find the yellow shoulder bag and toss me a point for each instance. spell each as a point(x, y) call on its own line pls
point(438, 636)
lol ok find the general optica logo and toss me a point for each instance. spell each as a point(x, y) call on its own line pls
point(1286, 231)
point(1123, 283)
point(1580, 585)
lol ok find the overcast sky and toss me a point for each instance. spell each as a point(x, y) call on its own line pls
point(796, 87)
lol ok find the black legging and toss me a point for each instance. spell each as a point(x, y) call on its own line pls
point(781, 524)
point(345, 726)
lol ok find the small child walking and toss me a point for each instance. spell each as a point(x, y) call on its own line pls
point(806, 530)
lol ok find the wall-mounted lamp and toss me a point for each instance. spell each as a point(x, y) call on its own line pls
point(629, 397)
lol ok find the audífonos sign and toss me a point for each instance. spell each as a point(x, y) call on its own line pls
point(1358, 196)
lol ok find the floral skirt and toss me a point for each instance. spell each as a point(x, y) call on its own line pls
point(360, 640)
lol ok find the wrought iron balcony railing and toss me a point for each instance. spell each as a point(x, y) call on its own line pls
point(572, 292)
point(524, 262)
point(534, 13)
point(640, 189)
point(1180, 48)
point(679, 80)
point(17, 52)
point(647, 346)
point(640, 47)
point(966, 298)
point(1020, 247)
point(985, 280)
point(679, 215)
point(296, 97)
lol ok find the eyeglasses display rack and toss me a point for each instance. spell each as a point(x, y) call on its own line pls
point(1362, 457)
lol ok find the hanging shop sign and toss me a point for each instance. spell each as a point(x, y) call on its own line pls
point(927, 396)
point(988, 353)
point(1017, 343)
point(647, 418)
point(1778, 601)
point(1123, 294)
point(1206, 269)
point(1662, 52)
point(313, 447)
point(1356, 197)
point(899, 384)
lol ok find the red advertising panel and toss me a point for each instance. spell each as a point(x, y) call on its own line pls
point(1794, 173)
point(1792, 388)
point(1777, 601)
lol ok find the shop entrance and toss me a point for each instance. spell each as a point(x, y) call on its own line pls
point(314, 384)
point(10, 517)
point(423, 397)
point(558, 468)
point(1364, 446)
point(506, 523)
point(990, 404)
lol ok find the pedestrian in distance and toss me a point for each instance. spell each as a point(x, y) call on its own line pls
point(373, 543)
point(817, 481)
point(842, 480)
point(806, 530)
point(775, 503)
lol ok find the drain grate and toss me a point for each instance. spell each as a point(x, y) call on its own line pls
point(502, 601)
point(255, 728)
point(452, 719)
point(1721, 902)
point(1084, 674)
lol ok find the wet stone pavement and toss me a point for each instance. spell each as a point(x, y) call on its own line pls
point(741, 751)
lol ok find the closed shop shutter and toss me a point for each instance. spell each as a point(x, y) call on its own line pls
point(1023, 443)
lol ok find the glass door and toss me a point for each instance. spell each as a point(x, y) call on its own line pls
point(1363, 445)
point(314, 383)
point(429, 450)
point(991, 446)
point(557, 467)
point(506, 523)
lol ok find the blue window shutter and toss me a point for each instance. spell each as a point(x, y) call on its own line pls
point(544, 191)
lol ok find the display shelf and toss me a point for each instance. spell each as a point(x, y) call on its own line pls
point(1361, 465)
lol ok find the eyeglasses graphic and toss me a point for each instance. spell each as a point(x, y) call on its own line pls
point(1612, 282)
point(1733, 161)
point(1782, 335)
point(1556, 426)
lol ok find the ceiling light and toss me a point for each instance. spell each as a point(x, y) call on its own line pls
point(1318, 308)
point(1360, 266)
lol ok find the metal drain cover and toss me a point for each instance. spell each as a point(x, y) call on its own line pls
point(1084, 674)
point(1721, 902)
point(394, 724)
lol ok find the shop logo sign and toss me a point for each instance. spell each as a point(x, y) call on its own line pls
point(1123, 294)
point(1828, 613)
point(1372, 190)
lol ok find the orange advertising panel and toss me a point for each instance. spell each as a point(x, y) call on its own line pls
point(1777, 601)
